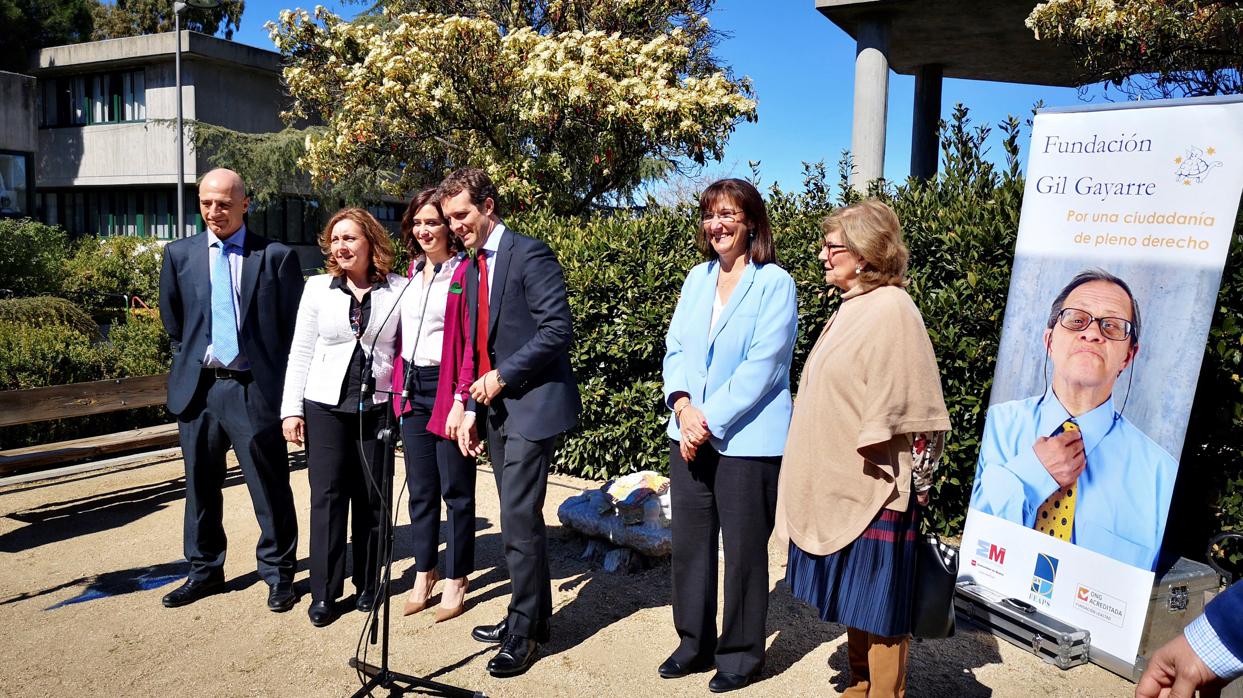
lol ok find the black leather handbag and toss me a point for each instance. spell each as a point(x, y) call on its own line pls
point(936, 571)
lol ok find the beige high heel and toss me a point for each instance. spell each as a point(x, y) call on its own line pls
point(443, 614)
point(412, 607)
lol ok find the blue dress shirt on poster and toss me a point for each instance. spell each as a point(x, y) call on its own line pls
point(1124, 491)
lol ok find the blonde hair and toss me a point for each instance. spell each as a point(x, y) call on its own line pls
point(378, 240)
point(871, 232)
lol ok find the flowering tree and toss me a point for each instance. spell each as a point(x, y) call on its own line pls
point(1150, 48)
point(558, 116)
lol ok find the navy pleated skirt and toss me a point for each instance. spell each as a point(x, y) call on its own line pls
point(868, 584)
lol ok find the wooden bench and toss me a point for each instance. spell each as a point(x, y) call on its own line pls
point(79, 400)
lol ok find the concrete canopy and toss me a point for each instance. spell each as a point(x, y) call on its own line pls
point(971, 39)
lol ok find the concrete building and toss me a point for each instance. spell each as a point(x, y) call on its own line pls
point(107, 142)
point(932, 40)
point(18, 143)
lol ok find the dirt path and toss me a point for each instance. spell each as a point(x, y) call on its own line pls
point(84, 561)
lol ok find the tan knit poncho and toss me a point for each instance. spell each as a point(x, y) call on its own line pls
point(870, 380)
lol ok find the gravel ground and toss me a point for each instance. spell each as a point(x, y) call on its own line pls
point(86, 558)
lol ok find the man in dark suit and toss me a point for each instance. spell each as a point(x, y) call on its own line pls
point(525, 396)
point(228, 299)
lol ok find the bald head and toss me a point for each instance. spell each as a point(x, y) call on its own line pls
point(223, 201)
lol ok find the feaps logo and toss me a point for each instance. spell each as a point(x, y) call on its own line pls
point(1043, 575)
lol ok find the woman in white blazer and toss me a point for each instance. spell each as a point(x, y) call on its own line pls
point(347, 328)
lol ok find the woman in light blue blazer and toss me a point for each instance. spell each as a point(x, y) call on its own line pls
point(727, 385)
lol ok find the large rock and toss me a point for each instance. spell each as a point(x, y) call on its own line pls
point(582, 513)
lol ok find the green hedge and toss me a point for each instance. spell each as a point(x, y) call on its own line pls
point(32, 257)
point(104, 274)
point(48, 310)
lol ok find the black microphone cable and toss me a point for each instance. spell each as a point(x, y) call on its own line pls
point(385, 552)
point(365, 389)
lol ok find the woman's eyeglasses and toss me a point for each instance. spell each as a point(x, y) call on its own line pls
point(725, 216)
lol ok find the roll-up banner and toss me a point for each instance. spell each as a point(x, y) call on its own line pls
point(1127, 217)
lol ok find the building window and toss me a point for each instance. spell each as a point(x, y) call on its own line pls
point(15, 200)
point(102, 98)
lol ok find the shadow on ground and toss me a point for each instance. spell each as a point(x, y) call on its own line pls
point(59, 521)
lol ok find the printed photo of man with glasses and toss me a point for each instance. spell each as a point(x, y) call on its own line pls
point(1067, 462)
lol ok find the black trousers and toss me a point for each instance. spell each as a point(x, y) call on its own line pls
point(737, 497)
point(521, 470)
point(231, 413)
point(436, 470)
point(344, 471)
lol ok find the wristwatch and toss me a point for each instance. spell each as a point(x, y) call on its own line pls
point(500, 381)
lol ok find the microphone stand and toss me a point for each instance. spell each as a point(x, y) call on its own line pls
point(382, 676)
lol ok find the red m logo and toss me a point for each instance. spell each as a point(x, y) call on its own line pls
point(997, 554)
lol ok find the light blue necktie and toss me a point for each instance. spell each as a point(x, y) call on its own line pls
point(223, 317)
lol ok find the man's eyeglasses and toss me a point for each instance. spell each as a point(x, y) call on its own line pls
point(725, 216)
point(1077, 320)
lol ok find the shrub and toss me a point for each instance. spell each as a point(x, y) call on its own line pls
point(623, 275)
point(38, 355)
point(104, 273)
point(141, 346)
point(48, 310)
point(32, 257)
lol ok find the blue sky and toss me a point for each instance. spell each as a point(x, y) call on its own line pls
point(802, 68)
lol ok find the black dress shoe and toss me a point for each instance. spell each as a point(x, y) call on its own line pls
point(495, 634)
point(491, 634)
point(673, 669)
point(725, 681)
point(192, 591)
point(516, 655)
point(281, 597)
point(366, 601)
point(321, 613)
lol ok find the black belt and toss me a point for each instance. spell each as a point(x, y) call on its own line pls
point(225, 374)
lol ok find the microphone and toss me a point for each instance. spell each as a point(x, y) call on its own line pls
point(367, 387)
point(418, 334)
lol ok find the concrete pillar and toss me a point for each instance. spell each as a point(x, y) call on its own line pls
point(924, 145)
point(867, 136)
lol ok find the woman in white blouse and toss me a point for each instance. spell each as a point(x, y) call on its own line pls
point(438, 368)
point(346, 334)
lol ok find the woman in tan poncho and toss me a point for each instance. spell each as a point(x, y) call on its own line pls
point(868, 426)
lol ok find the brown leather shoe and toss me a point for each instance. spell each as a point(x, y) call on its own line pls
point(416, 606)
point(444, 613)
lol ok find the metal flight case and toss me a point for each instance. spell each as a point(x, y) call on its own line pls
point(1023, 625)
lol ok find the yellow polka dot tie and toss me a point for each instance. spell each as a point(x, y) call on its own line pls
point(1056, 516)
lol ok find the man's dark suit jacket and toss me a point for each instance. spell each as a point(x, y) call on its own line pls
point(530, 332)
point(1224, 614)
point(270, 290)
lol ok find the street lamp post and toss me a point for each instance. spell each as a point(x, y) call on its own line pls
point(178, 8)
